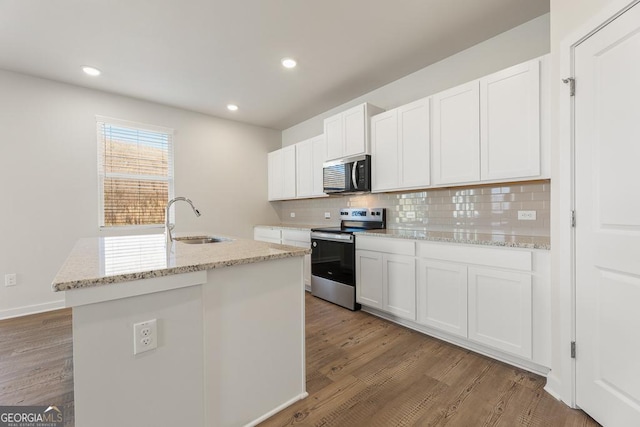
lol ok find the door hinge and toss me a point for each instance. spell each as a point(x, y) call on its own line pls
point(573, 349)
point(573, 219)
point(572, 85)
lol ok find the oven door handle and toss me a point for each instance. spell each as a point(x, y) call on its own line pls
point(334, 237)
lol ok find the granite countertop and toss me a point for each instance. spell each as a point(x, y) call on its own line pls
point(471, 237)
point(105, 260)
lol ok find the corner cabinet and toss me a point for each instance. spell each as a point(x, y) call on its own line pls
point(400, 147)
point(281, 166)
point(491, 129)
point(347, 133)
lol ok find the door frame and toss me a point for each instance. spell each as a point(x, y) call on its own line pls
point(561, 381)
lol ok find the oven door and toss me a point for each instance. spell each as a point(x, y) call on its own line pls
point(333, 257)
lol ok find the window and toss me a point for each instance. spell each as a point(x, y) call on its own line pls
point(135, 171)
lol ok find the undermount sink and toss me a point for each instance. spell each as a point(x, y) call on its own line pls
point(200, 240)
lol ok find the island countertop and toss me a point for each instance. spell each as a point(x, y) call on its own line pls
point(106, 260)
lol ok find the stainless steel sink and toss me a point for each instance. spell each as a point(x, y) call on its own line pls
point(200, 240)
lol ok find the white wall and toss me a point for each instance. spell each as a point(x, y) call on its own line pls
point(519, 44)
point(48, 177)
point(570, 20)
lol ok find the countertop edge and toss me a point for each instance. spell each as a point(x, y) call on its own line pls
point(129, 277)
point(477, 242)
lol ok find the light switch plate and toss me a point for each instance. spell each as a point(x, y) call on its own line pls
point(292, 214)
point(327, 215)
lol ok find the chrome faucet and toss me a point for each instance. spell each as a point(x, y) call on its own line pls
point(168, 227)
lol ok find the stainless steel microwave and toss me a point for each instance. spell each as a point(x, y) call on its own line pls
point(348, 175)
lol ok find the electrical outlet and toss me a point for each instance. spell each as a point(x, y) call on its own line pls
point(526, 215)
point(411, 215)
point(327, 215)
point(145, 336)
point(10, 279)
point(292, 214)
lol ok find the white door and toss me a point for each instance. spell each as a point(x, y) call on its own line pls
point(500, 310)
point(510, 122)
point(414, 147)
point(369, 278)
point(319, 156)
point(384, 151)
point(399, 285)
point(289, 172)
point(442, 296)
point(456, 134)
point(334, 136)
point(304, 168)
point(607, 190)
point(354, 122)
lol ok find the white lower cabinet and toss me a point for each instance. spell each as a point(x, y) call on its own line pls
point(442, 296)
point(369, 277)
point(489, 299)
point(500, 310)
point(399, 285)
point(386, 280)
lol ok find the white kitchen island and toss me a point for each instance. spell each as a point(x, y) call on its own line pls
point(230, 331)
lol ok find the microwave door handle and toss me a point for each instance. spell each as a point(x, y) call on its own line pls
point(354, 171)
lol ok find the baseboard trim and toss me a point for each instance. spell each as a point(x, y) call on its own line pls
point(31, 309)
point(552, 386)
point(276, 410)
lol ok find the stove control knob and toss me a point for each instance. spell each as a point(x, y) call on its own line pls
point(314, 244)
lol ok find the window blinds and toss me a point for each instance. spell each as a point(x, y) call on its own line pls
point(135, 167)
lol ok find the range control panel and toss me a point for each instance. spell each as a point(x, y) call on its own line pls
point(362, 214)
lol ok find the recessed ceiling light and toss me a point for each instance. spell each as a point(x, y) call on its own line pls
point(91, 71)
point(289, 62)
point(232, 107)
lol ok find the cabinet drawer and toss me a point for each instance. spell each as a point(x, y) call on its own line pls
point(384, 244)
point(297, 235)
point(512, 259)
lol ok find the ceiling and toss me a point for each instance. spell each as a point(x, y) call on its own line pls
point(204, 54)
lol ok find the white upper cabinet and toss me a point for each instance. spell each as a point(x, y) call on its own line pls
point(282, 173)
point(400, 147)
point(310, 155)
point(510, 123)
point(385, 174)
point(456, 135)
point(347, 133)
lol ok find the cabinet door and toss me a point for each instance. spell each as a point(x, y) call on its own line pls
point(289, 172)
point(399, 285)
point(456, 135)
point(355, 134)
point(414, 144)
point(319, 156)
point(333, 133)
point(510, 122)
point(369, 278)
point(267, 234)
point(442, 296)
point(275, 177)
point(384, 151)
point(304, 168)
point(500, 310)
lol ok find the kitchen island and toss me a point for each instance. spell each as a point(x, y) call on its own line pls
point(229, 325)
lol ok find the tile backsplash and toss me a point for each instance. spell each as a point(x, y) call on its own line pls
point(482, 208)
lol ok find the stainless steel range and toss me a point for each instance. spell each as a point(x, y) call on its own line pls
point(333, 273)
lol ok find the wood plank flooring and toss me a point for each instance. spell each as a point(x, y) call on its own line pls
point(361, 371)
point(365, 371)
point(36, 361)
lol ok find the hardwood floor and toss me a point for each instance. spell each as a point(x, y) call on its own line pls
point(361, 371)
point(36, 361)
point(365, 371)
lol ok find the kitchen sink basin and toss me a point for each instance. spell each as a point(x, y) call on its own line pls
point(200, 240)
